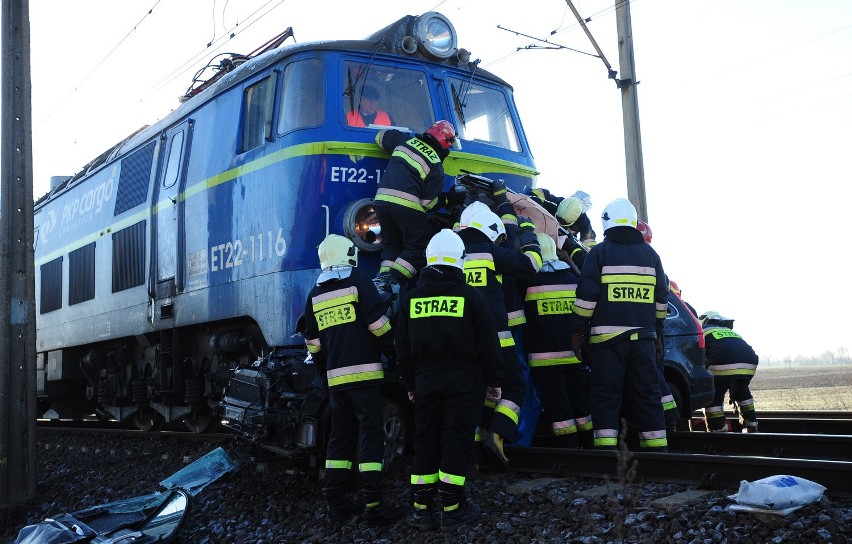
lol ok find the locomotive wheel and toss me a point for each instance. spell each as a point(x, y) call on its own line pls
point(198, 422)
point(147, 419)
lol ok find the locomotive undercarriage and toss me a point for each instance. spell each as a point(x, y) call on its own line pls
point(175, 375)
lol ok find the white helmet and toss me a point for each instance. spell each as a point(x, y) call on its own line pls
point(336, 250)
point(710, 316)
point(445, 248)
point(488, 223)
point(569, 210)
point(547, 245)
point(585, 199)
point(467, 213)
point(619, 213)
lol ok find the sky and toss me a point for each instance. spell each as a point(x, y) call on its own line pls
point(745, 108)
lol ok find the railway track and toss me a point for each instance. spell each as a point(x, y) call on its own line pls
point(789, 421)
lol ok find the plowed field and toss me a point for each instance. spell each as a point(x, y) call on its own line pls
point(803, 388)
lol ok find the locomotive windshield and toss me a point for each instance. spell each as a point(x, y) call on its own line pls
point(400, 93)
point(483, 115)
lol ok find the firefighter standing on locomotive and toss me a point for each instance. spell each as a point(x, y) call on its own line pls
point(410, 186)
point(449, 356)
point(345, 324)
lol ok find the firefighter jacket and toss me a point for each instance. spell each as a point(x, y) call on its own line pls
point(486, 263)
point(623, 289)
point(727, 353)
point(446, 324)
point(414, 177)
point(550, 202)
point(344, 319)
point(547, 306)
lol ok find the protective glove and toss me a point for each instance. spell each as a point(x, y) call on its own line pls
point(579, 343)
point(498, 189)
point(456, 195)
point(658, 346)
point(411, 396)
point(525, 224)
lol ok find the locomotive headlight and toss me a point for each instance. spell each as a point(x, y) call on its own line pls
point(361, 225)
point(436, 35)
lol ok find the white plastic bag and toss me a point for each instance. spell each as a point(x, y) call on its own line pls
point(780, 494)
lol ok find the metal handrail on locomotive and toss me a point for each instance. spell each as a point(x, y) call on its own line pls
point(173, 263)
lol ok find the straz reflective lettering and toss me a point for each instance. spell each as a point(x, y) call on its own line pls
point(336, 315)
point(630, 293)
point(724, 333)
point(437, 306)
point(478, 277)
point(423, 148)
point(554, 306)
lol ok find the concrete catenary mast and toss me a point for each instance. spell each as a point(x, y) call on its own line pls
point(17, 301)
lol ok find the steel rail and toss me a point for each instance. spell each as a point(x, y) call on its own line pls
point(798, 446)
point(790, 421)
point(714, 471)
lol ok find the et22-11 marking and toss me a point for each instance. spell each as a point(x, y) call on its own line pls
point(345, 174)
point(259, 246)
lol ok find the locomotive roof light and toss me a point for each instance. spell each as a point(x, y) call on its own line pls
point(436, 35)
point(361, 225)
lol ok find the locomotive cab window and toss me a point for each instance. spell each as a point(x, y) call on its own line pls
point(258, 100)
point(379, 95)
point(302, 102)
point(483, 115)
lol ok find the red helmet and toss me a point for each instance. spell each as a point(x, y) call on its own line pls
point(674, 288)
point(443, 132)
point(645, 229)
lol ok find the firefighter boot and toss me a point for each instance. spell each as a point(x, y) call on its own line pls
point(380, 514)
point(493, 444)
point(341, 510)
point(423, 517)
point(458, 510)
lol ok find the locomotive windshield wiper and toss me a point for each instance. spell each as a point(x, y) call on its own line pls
point(460, 102)
point(362, 73)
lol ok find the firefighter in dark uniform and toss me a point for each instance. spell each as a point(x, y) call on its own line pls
point(450, 359)
point(486, 262)
point(560, 375)
point(619, 313)
point(733, 363)
point(571, 214)
point(345, 330)
point(410, 186)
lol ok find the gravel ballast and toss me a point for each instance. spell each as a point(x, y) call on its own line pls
point(266, 502)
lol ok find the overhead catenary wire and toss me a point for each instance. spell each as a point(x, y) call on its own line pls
point(97, 66)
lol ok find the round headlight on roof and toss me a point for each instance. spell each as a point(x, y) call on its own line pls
point(436, 35)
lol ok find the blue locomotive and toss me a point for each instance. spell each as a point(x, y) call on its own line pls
point(174, 264)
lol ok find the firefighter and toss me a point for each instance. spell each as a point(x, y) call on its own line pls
point(619, 312)
point(450, 359)
point(670, 407)
point(565, 209)
point(486, 262)
point(410, 186)
point(345, 330)
point(559, 374)
point(733, 363)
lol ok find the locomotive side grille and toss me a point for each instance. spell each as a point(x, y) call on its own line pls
point(128, 257)
point(51, 286)
point(133, 180)
point(81, 274)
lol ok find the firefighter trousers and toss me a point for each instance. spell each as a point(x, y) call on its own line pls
point(625, 370)
point(565, 400)
point(405, 235)
point(445, 408)
point(357, 435)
